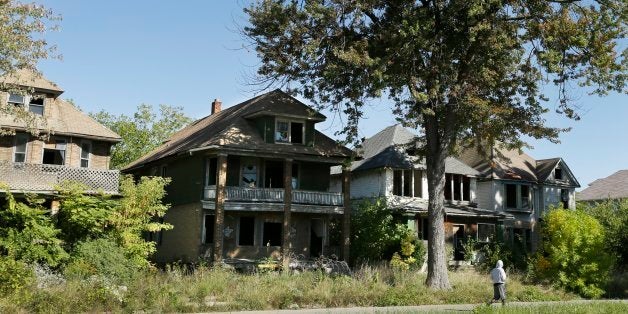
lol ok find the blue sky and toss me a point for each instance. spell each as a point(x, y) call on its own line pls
point(119, 54)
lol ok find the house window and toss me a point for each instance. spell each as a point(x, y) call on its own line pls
point(36, 106)
point(17, 99)
point(466, 188)
point(518, 196)
point(289, 132)
point(397, 182)
point(208, 229)
point(485, 232)
point(457, 187)
point(246, 231)
point(564, 197)
point(558, 174)
point(86, 149)
point(19, 155)
point(418, 183)
point(272, 234)
point(54, 152)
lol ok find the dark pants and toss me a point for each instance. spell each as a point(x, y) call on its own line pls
point(499, 291)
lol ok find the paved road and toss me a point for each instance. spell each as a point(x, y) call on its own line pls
point(443, 308)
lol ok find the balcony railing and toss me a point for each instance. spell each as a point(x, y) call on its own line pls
point(276, 196)
point(43, 178)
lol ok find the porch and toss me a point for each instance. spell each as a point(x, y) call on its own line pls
point(271, 195)
point(43, 178)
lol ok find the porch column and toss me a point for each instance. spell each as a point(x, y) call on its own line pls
point(412, 182)
point(346, 221)
point(287, 207)
point(221, 182)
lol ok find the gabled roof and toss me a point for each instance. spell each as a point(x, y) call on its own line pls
point(511, 164)
point(614, 186)
point(388, 148)
point(27, 78)
point(230, 128)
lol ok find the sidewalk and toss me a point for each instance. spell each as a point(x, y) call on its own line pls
point(439, 308)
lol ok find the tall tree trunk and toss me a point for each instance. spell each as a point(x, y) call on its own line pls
point(437, 277)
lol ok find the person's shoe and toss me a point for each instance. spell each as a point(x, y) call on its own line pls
point(503, 302)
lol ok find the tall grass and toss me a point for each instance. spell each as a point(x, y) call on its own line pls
point(210, 289)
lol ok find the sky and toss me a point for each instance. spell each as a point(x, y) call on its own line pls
point(119, 54)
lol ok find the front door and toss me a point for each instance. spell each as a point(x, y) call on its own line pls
point(459, 242)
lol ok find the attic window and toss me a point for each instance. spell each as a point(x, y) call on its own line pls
point(16, 99)
point(289, 132)
point(36, 106)
point(35, 103)
point(558, 174)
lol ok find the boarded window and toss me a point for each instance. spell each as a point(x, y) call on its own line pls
point(246, 232)
point(272, 234)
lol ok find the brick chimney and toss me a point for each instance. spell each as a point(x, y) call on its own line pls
point(216, 105)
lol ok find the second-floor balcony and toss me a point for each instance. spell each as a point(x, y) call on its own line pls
point(268, 195)
point(43, 178)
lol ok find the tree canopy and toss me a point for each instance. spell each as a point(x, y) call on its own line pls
point(463, 72)
point(142, 132)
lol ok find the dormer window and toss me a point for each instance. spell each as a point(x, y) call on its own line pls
point(289, 132)
point(558, 174)
point(35, 103)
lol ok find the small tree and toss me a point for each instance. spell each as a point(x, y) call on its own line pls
point(573, 252)
point(613, 215)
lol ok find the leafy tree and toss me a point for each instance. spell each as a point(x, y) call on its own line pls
point(143, 132)
point(22, 46)
point(464, 72)
point(613, 215)
point(573, 252)
point(27, 233)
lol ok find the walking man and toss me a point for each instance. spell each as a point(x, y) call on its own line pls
point(498, 276)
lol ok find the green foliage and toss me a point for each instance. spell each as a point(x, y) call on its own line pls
point(101, 257)
point(28, 234)
point(613, 215)
point(412, 253)
point(14, 275)
point(492, 252)
point(376, 232)
point(143, 132)
point(573, 253)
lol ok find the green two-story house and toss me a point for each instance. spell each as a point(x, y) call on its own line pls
point(248, 182)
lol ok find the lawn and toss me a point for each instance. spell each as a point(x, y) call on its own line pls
point(221, 290)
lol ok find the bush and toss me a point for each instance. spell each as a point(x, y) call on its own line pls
point(411, 254)
point(573, 252)
point(613, 215)
point(14, 275)
point(100, 257)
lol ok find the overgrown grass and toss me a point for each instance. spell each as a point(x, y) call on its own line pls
point(222, 290)
point(585, 308)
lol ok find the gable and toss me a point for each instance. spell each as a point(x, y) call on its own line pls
point(558, 173)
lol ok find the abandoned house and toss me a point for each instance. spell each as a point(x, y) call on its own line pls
point(512, 182)
point(69, 145)
point(389, 169)
point(250, 181)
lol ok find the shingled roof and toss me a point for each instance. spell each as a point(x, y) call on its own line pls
point(388, 148)
point(60, 117)
point(614, 186)
point(27, 78)
point(232, 128)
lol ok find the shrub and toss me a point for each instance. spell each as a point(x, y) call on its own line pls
point(411, 254)
point(573, 253)
point(14, 275)
point(100, 257)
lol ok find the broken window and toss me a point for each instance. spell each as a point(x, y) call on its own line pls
point(485, 232)
point(518, 196)
point(19, 155)
point(273, 174)
point(296, 133)
point(246, 231)
point(282, 132)
point(558, 174)
point(36, 106)
point(272, 233)
point(54, 152)
point(289, 132)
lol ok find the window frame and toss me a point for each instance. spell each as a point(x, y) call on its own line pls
point(519, 197)
point(9, 102)
point(15, 144)
point(477, 234)
point(289, 131)
point(26, 102)
point(65, 150)
point(559, 170)
point(89, 154)
point(43, 105)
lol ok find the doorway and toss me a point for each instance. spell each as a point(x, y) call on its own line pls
point(459, 240)
point(317, 235)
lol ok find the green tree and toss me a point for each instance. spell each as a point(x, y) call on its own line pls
point(613, 215)
point(143, 132)
point(464, 72)
point(573, 252)
point(22, 26)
